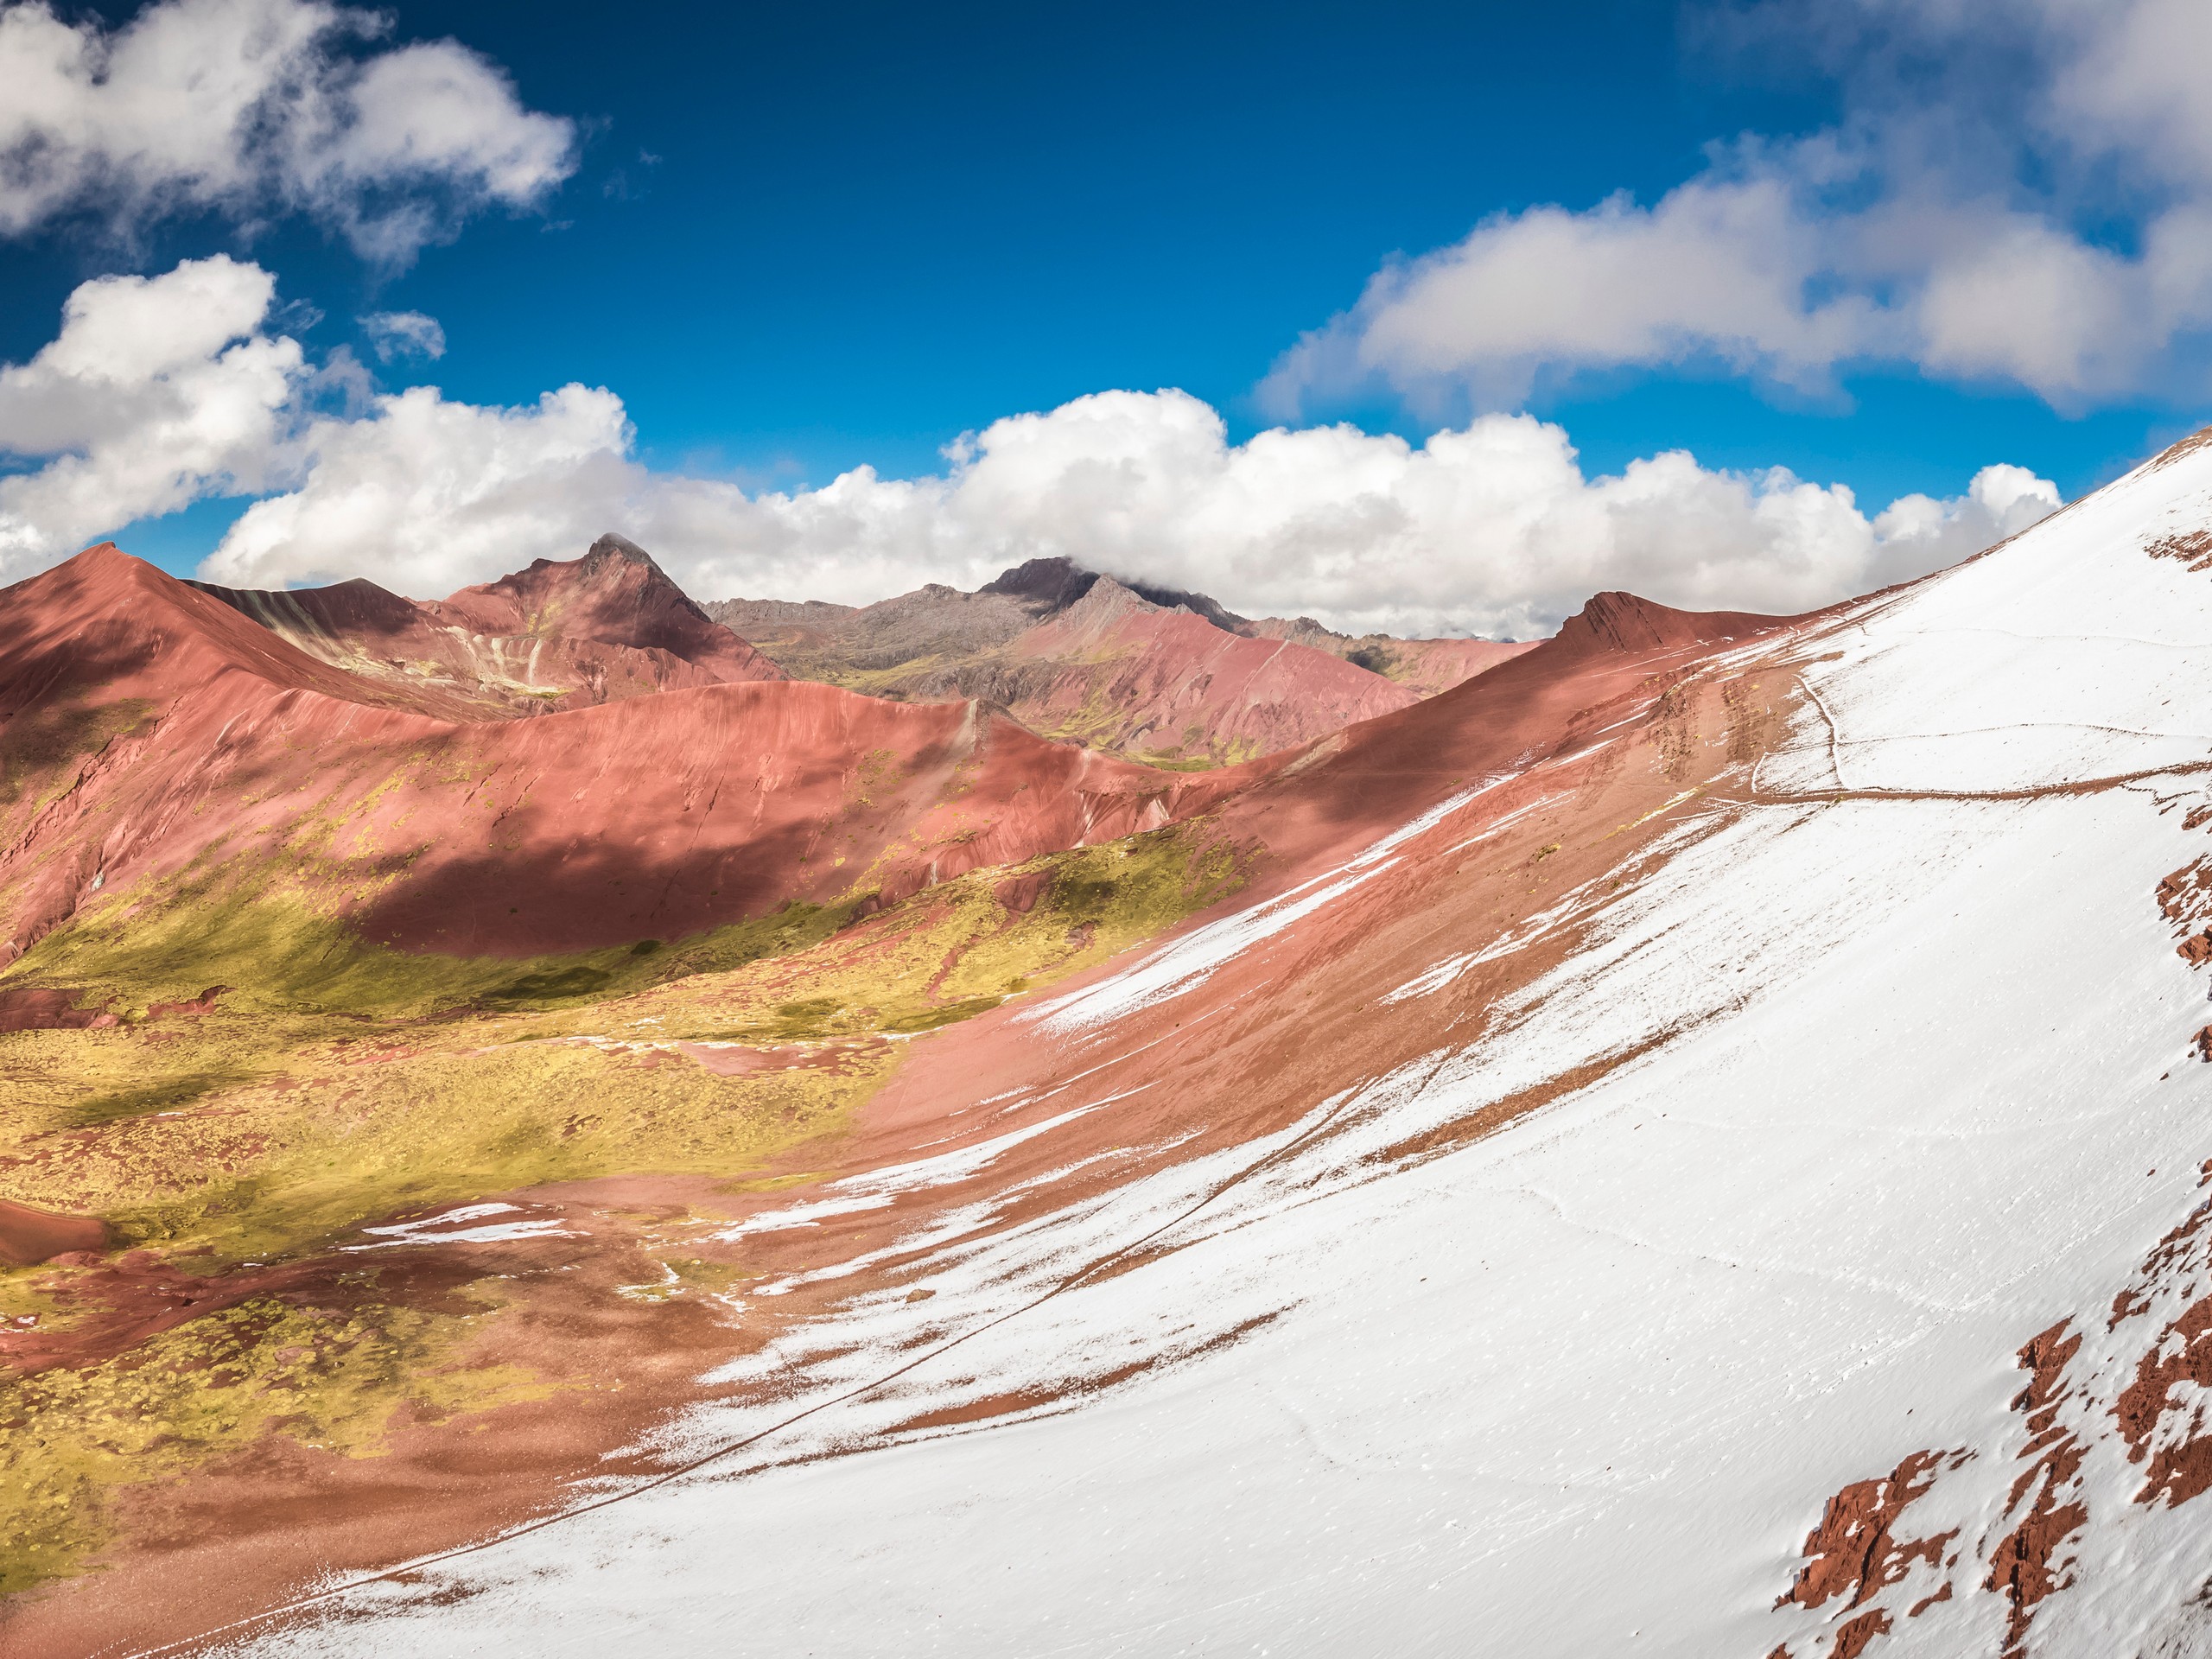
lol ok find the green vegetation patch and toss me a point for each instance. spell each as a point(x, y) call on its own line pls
point(950, 1013)
point(341, 1084)
point(70, 1441)
point(318, 1094)
point(279, 948)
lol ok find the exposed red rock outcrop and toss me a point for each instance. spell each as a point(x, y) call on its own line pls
point(2021, 1566)
point(1854, 1551)
point(562, 634)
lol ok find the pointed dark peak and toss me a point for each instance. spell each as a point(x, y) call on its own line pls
point(1052, 584)
point(614, 546)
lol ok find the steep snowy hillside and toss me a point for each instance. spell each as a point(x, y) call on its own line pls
point(1711, 1168)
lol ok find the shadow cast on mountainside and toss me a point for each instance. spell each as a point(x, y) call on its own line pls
point(549, 898)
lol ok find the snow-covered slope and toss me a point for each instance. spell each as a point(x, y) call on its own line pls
point(1783, 1235)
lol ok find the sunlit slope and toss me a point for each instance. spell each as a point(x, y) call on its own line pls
point(1724, 1178)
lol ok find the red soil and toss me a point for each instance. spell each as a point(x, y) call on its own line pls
point(28, 1237)
point(34, 1009)
point(646, 817)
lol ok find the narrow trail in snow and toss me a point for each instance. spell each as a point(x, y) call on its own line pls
point(2032, 792)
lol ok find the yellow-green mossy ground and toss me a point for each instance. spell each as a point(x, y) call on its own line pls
point(237, 1145)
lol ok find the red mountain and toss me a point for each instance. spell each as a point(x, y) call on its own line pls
point(1424, 667)
point(149, 726)
point(560, 634)
point(1161, 675)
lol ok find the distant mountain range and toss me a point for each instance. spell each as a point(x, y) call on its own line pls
point(1174, 679)
point(1170, 677)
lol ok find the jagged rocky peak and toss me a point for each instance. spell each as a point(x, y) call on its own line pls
point(1051, 584)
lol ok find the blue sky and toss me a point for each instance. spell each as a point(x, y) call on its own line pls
point(795, 240)
point(868, 229)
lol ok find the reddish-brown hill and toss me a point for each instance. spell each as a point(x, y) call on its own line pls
point(1424, 667)
point(1616, 653)
point(1622, 622)
point(146, 730)
point(1168, 676)
point(562, 634)
point(1131, 675)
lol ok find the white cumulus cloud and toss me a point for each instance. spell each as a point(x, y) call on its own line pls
point(1959, 219)
point(403, 334)
point(253, 108)
point(156, 392)
point(1491, 530)
point(424, 495)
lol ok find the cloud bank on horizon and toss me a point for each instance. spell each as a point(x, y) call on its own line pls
point(161, 390)
point(1909, 232)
